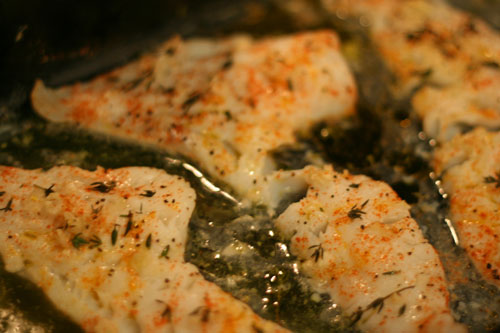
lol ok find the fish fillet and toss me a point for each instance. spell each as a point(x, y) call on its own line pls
point(428, 42)
point(357, 242)
point(472, 101)
point(423, 39)
point(107, 247)
point(470, 169)
point(224, 104)
point(456, 57)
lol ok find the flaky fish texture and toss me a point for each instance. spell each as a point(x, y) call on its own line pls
point(107, 248)
point(428, 42)
point(470, 169)
point(225, 104)
point(473, 101)
point(423, 39)
point(357, 242)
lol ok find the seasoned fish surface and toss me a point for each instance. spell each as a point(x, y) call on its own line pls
point(107, 248)
point(223, 103)
point(472, 101)
point(427, 42)
point(357, 242)
point(470, 169)
point(424, 40)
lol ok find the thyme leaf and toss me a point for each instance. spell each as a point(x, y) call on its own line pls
point(148, 193)
point(167, 313)
point(114, 235)
point(66, 226)
point(133, 84)
point(425, 73)
point(95, 211)
point(227, 64)
point(190, 101)
point(356, 316)
point(257, 329)
point(7, 207)
point(355, 212)
point(129, 222)
point(205, 315)
point(78, 241)
point(48, 190)
point(402, 310)
point(102, 187)
point(493, 180)
point(167, 91)
point(164, 253)
point(148, 241)
point(318, 252)
point(195, 311)
point(491, 64)
point(94, 242)
point(378, 305)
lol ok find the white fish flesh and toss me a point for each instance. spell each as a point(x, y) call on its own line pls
point(107, 248)
point(357, 242)
point(470, 170)
point(454, 55)
point(472, 101)
point(423, 40)
point(225, 104)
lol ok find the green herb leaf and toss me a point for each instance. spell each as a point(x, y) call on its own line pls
point(402, 310)
point(78, 241)
point(493, 180)
point(114, 235)
point(129, 222)
point(190, 101)
point(205, 315)
point(48, 190)
point(97, 210)
point(167, 313)
point(378, 304)
point(318, 252)
point(129, 226)
point(95, 242)
point(102, 187)
point(164, 253)
point(356, 213)
point(227, 64)
point(148, 193)
point(7, 207)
